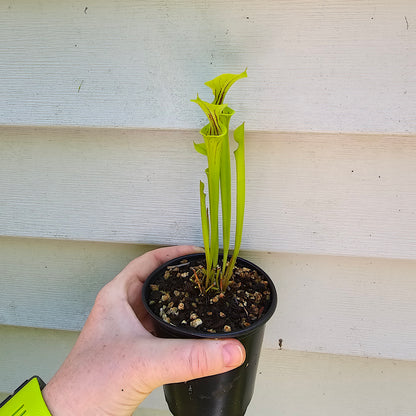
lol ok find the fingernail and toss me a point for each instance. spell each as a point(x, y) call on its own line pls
point(199, 249)
point(233, 355)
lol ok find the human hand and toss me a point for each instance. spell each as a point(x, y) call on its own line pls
point(116, 361)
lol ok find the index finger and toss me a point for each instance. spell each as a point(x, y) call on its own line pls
point(140, 268)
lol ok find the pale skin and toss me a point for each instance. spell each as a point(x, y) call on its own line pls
point(116, 361)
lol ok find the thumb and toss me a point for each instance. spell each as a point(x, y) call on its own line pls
point(180, 360)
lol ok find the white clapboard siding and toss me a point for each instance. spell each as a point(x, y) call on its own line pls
point(313, 65)
point(339, 305)
point(288, 382)
point(338, 194)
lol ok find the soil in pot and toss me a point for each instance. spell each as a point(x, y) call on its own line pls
point(179, 297)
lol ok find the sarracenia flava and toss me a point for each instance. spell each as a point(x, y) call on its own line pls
point(216, 148)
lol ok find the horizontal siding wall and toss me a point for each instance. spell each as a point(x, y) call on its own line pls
point(288, 383)
point(321, 65)
point(306, 193)
point(337, 305)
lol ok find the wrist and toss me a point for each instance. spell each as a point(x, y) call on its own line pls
point(55, 398)
point(48, 399)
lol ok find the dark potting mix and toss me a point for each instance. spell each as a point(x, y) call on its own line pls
point(180, 299)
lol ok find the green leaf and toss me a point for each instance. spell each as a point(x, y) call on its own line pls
point(225, 182)
point(213, 112)
point(221, 84)
point(213, 134)
point(205, 226)
point(240, 199)
point(241, 185)
point(214, 147)
point(201, 148)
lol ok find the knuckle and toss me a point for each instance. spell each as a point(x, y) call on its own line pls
point(105, 294)
point(101, 297)
point(102, 301)
point(198, 360)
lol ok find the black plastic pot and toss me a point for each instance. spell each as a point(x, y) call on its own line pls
point(226, 394)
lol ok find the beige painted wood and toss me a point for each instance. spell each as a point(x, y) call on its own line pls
point(306, 193)
point(339, 305)
point(288, 382)
point(313, 65)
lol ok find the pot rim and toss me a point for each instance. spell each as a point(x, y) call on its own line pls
point(186, 332)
